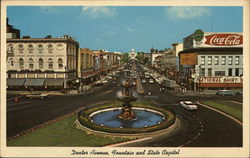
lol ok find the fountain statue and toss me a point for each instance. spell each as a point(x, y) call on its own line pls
point(126, 97)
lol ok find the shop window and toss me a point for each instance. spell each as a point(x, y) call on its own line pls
point(202, 72)
point(209, 72)
point(219, 73)
point(237, 72)
point(230, 72)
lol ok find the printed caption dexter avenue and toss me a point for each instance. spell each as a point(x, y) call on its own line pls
point(100, 152)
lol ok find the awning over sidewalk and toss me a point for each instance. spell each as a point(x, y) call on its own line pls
point(54, 82)
point(15, 81)
point(34, 82)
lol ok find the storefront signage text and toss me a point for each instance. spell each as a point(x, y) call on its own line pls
point(224, 39)
point(221, 80)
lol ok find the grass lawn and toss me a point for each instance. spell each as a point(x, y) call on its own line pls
point(231, 110)
point(62, 133)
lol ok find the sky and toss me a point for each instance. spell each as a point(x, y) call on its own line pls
point(121, 28)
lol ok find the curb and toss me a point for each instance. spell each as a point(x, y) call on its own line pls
point(221, 112)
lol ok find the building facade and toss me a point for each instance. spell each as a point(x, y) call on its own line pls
point(42, 62)
point(212, 61)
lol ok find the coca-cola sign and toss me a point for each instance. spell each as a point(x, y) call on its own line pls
point(224, 39)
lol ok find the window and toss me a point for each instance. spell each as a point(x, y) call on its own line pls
point(230, 72)
point(11, 61)
point(30, 48)
point(21, 63)
point(203, 60)
point(209, 72)
point(216, 60)
point(209, 62)
point(50, 48)
point(31, 63)
point(60, 63)
point(237, 60)
point(230, 60)
point(202, 72)
point(40, 48)
point(219, 73)
point(50, 62)
point(223, 60)
point(40, 63)
point(20, 48)
point(237, 72)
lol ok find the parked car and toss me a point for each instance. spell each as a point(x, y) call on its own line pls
point(189, 105)
point(151, 80)
point(225, 92)
point(37, 95)
point(143, 81)
point(238, 93)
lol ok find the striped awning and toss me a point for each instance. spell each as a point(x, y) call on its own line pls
point(34, 82)
point(15, 81)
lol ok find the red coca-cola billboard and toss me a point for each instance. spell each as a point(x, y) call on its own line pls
point(224, 39)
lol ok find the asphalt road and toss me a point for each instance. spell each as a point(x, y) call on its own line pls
point(204, 128)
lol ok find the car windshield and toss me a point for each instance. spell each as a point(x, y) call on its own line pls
point(188, 102)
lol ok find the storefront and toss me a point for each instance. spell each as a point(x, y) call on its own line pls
point(212, 61)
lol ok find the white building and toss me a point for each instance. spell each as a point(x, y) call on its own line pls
point(132, 54)
point(41, 62)
point(212, 60)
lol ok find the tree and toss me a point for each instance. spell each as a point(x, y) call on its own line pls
point(125, 57)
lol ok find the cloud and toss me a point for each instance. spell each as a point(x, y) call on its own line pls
point(186, 12)
point(129, 29)
point(97, 12)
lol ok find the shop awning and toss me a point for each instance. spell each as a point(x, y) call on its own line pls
point(15, 81)
point(34, 82)
point(54, 82)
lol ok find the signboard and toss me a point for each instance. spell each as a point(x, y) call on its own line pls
point(220, 80)
point(224, 39)
point(201, 39)
point(188, 59)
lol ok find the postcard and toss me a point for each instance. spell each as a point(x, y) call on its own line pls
point(116, 78)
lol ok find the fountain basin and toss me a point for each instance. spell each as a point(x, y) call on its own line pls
point(144, 118)
point(103, 118)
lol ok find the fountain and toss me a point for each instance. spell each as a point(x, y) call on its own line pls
point(125, 116)
point(126, 97)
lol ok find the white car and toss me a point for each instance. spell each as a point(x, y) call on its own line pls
point(37, 95)
point(151, 80)
point(188, 105)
